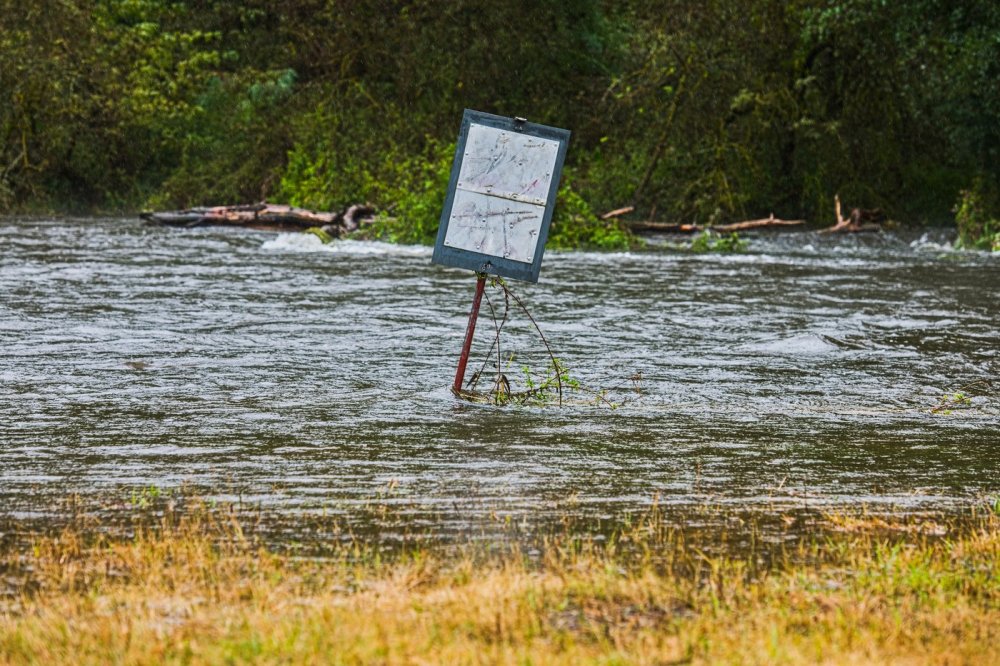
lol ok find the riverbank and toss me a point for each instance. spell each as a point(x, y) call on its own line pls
point(198, 587)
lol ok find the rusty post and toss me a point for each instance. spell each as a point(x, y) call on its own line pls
point(469, 332)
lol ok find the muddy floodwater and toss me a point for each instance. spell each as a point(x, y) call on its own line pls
point(810, 371)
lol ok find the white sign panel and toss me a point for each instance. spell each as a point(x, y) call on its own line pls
point(501, 193)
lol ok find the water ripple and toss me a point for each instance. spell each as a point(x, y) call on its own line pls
point(809, 370)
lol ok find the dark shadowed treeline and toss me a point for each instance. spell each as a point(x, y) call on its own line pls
point(690, 111)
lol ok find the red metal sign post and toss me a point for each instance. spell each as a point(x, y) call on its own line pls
point(469, 332)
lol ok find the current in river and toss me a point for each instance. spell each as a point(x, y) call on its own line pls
point(808, 371)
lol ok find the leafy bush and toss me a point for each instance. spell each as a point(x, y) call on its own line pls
point(976, 215)
point(234, 143)
point(408, 188)
point(412, 195)
point(575, 225)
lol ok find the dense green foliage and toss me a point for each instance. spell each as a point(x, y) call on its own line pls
point(975, 215)
point(690, 111)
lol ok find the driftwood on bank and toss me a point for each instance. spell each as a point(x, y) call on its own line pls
point(763, 223)
point(617, 212)
point(859, 220)
point(266, 216)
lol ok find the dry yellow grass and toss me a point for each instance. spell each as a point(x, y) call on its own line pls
point(194, 591)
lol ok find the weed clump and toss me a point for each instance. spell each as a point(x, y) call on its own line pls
point(538, 387)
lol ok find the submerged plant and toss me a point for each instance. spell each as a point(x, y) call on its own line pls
point(961, 398)
point(712, 241)
point(143, 498)
point(541, 386)
point(321, 234)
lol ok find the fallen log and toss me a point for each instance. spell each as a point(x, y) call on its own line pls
point(355, 216)
point(268, 217)
point(860, 220)
point(763, 223)
point(771, 221)
point(665, 227)
point(617, 212)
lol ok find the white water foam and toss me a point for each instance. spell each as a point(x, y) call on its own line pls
point(303, 242)
point(927, 244)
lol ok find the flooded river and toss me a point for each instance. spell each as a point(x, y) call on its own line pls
point(809, 371)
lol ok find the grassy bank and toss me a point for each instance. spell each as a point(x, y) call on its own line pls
point(196, 588)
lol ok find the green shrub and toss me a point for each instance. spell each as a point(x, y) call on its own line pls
point(332, 168)
point(575, 225)
point(412, 194)
point(976, 216)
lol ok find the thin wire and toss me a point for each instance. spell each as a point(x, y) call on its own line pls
point(555, 364)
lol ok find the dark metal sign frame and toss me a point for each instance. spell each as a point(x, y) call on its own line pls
point(491, 263)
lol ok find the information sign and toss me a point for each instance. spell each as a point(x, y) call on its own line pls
point(501, 196)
